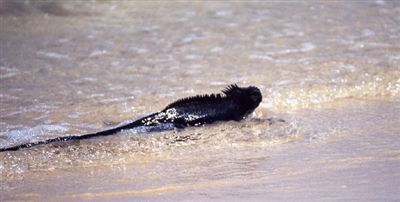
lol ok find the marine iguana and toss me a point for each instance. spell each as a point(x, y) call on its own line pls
point(235, 103)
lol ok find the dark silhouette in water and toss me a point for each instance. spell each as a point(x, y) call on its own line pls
point(234, 104)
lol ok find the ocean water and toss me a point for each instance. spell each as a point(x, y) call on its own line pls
point(329, 69)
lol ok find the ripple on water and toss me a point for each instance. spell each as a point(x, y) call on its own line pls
point(8, 72)
point(131, 146)
point(29, 134)
point(292, 95)
point(52, 55)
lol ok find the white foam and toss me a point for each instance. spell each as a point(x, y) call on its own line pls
point(52, 55)
point(223, 13)
point(192, 57)
point(118, 99)
point(260, 57)
point(30, 134)
point(216, 49)
point(307, 46)
point(97, 53)
point(75, 115)
point(7, 72)
point(380, 3)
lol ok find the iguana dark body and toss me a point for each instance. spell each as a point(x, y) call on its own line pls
point(234, 104)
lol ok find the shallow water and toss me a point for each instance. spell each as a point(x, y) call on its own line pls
point(331, 70)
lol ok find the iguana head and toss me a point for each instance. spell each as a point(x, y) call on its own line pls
point(249, 98)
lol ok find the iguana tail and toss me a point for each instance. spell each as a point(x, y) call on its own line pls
point(69, 138)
